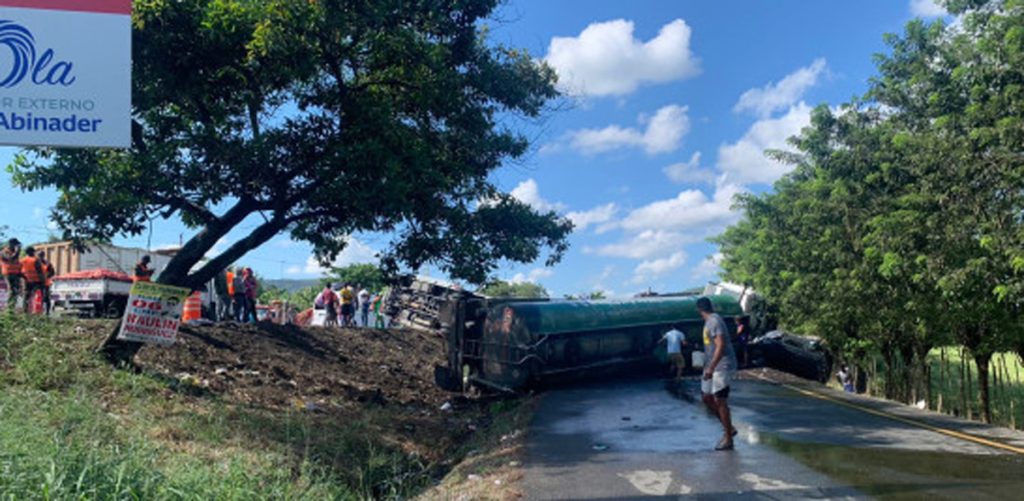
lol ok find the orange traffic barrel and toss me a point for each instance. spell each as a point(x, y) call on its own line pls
point(193, 309)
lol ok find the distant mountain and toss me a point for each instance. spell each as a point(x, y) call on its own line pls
point(291, 284)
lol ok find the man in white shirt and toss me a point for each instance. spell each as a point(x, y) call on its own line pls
point(676, 340)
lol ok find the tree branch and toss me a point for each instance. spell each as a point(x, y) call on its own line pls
point(176, 272)
point(258, 237)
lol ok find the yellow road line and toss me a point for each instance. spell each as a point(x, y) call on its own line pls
point(912, 422)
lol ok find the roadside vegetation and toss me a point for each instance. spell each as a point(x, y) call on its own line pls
point(72, 427)
point(954, 383)
point(897, 236)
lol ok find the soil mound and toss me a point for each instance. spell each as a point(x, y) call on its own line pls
point(316, 368)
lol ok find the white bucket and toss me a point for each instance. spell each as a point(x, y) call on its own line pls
point(698, 359)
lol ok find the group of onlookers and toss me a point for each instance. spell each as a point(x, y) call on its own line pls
point(237, 290)
point(27, 277)
point(341, 303)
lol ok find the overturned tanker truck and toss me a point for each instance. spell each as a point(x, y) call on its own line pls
point(512, 344)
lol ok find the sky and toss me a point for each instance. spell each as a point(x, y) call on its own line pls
point(668, 108)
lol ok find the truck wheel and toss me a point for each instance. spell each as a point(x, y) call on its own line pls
point(113, 309)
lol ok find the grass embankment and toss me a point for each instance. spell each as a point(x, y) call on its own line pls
point(491, 469)
point(73, 427)
point(954, 384)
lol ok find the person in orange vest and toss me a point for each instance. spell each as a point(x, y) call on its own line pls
point(222, 288)
point(10, 267)
point(49, 271)
point(237, 289)
point(143, 273)
point(34, 275)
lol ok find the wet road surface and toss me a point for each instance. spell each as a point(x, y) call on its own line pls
point(647, 438)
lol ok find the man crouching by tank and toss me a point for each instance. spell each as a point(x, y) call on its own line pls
point(719, 369)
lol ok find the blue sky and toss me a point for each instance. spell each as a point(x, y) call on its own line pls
point(670, 105)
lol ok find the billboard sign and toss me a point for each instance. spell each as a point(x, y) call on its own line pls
point(65, 73)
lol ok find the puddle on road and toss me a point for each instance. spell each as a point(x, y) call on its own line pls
point(904, 474)
point(683, 389)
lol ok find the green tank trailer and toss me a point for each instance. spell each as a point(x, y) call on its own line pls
point(510, 345)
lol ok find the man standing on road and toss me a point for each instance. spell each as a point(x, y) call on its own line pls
point(719, 369)
point(844, 379)
point(675, 340)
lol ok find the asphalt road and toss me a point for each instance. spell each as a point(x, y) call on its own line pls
point(648, 438)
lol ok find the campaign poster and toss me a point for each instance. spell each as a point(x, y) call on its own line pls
point(153, 313)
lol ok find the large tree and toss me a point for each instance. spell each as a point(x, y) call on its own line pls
point(318, 118)
point(903, 216)
point(501, 288)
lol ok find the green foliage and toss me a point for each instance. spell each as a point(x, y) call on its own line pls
point(273, 293)
point(592, 295)
point(319, 119)
point(72, 427)
point(501, 288)
point(898, 229)
point(367, 276)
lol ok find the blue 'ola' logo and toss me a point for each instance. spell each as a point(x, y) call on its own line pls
point(41, 70)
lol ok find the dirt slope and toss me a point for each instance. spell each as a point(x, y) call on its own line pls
point(284, 366)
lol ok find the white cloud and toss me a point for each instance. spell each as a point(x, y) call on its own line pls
point(745, 162)
point(708, 268)
point(607, 60)
point(926, 8)
point(783, 94)
point(643, 245)
point(691, 209)
point(690, 171)
point(649, 270)
point(598, 215)
point(356, 252)
point(664, 132)
point(534, 275)
point(528, 193)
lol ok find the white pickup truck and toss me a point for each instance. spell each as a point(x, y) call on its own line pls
point(94, 293)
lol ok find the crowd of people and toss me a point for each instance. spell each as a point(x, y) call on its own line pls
point(342, 303)
point(28, 278)
point(237, 291)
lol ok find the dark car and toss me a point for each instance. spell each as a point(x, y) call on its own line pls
point(802, 356)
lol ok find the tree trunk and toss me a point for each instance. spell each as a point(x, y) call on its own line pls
point(177, 272)
point(982, 361)
point(942, 377)
point(963, 383)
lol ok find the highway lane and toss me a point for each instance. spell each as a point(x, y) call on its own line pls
point(648, 438)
